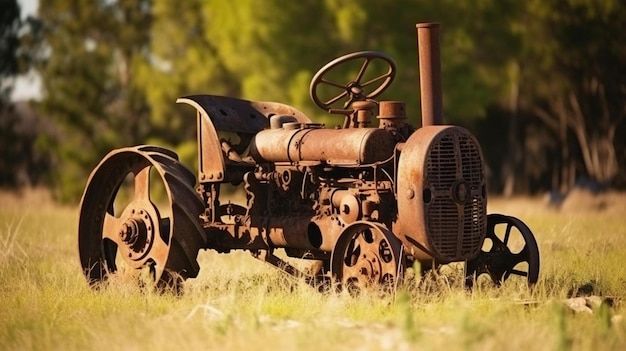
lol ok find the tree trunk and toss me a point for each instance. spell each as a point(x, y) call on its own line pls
point(513, 163)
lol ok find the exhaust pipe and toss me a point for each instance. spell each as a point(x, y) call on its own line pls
point(429, 62)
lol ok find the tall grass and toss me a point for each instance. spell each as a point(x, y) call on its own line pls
point(239, 303)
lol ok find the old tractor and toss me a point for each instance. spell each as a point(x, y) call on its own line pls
point(362, 201)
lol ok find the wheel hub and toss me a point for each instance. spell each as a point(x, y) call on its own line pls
point(355, 89)
point(137, 232)
point(367, 269)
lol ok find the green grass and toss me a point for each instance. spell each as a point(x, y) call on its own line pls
point(239, 303)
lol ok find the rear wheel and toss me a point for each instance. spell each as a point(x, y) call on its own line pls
point(121, 228)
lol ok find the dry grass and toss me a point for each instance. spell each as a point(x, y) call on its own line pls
point(239, 303)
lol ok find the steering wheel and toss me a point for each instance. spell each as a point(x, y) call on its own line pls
point(354, 90)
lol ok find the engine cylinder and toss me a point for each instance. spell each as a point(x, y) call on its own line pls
point(355, 146)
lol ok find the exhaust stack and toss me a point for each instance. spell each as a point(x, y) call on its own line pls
point(429, 62)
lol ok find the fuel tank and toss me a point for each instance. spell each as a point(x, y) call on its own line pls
point(306, 142)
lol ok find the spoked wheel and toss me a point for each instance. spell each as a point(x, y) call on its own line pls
point(367, 255)
point(121, 228)
point(376, 71)
point(510, 249)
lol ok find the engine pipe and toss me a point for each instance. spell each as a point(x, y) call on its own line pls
point(429, 62)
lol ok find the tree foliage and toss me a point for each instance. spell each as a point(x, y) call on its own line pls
point(21, 164)
point(92, 49)
point(9, 43)
point(575, 80)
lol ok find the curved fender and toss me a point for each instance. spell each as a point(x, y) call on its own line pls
point(240, 116)
point(231, 115)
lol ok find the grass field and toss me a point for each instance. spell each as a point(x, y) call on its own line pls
point(238, 303)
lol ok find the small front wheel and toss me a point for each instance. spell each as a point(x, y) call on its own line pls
point(510, 249)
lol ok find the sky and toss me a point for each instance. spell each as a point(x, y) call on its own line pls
point(29, 7)
point(27, 86)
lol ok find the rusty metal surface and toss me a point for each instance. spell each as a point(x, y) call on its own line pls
point(354, 146)
point(366, 255)
point(238, 115)
point(442, 197)
point(361, 202)
point(430, 73)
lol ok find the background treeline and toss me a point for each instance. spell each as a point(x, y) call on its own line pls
point(541, 83)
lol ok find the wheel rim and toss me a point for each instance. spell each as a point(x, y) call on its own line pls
point(357, 89)
point(367, 255)
point(134, 232)
point(513, 252)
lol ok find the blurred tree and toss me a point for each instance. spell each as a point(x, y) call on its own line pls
point(9, 43)
point(239, 49)
point(575, 65)
point(481, 48)
point(89, 55)
point(21, 163)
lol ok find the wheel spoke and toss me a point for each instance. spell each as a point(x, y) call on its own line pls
point(337, 85)
point(518, 272)
point(497, 244)
point(336, 98)
point(507, 234)
point(142, 184)
point(374, 80)
point(363, 68)
point(520, 257)
point(111, 229)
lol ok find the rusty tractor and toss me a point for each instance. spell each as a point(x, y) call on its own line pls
point(363, 202)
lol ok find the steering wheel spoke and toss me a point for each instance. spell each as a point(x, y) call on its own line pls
point(374, 80)
point(337, 98)
point(363, 69)
point(336, 85)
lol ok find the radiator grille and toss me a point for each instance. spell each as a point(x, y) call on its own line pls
point(456, 226)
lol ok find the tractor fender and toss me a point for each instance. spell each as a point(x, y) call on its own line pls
point(221, 113)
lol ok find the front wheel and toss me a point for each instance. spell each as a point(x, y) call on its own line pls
point(122, 229)
point(510, 249)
